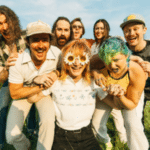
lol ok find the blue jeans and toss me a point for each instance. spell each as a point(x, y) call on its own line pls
point(82, 139)
point(5, 100)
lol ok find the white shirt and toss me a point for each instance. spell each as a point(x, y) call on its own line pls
point(24, 70)
point(94, 49)
point(74, 102)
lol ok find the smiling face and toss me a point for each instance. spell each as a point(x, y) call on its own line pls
point(39, 45)
point(77, 30)
point(4, 26)
point(118, 65)
point(62, 32)
point(99, 31)
point(134, 34)
point(76, 63)
point(76, 69)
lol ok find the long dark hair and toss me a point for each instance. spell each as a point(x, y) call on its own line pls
point(13, 23)
point(106, 29)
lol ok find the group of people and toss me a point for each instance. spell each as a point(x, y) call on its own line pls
point(74, 83)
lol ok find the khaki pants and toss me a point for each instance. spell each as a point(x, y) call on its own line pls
point(15, 121)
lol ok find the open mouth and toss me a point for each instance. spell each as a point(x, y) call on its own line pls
point(76, 68)
point(115, 70)
point(132, 39)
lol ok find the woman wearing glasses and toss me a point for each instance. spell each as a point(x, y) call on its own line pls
point(74, 96)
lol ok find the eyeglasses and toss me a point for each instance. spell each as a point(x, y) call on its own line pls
point(70, 58)
point(75, 27)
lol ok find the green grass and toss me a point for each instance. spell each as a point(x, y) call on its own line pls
point(117, 145)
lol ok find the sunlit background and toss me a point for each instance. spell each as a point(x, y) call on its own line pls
point(114, 11)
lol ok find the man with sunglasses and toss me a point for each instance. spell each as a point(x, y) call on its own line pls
point(78, 30)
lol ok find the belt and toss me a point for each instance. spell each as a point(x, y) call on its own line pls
point(74, 131)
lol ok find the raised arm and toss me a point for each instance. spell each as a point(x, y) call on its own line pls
point(8, 63)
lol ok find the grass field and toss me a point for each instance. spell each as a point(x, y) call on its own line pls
point(117, 145)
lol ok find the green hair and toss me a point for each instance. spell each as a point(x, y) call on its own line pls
point(112, 47)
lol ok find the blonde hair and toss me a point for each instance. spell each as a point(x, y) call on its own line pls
point(77, 47)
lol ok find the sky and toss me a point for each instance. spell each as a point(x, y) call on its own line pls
point(114, 11)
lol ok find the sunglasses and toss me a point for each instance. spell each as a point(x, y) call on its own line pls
point(70, 58)
point(75, 27)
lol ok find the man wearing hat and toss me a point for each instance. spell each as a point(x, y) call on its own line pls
point(38, 59)
point(134, 28)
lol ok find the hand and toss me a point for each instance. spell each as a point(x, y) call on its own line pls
point(46, 79)
point(146, 66)
point(100, 79)
point(21, 51)
point(115, 90)
point(136, 59)
point(10, 61)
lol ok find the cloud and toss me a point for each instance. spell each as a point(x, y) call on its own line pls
point(114, 11)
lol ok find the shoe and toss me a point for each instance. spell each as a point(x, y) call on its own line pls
point(109, 146)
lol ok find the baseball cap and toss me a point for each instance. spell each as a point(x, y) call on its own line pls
point(38, 27)
point(133, 18)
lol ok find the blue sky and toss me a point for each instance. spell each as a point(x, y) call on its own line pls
point(114, 11)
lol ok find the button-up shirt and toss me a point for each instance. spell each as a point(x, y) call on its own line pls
point(24, 70)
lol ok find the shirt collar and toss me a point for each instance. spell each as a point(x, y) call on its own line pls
point(27, 56)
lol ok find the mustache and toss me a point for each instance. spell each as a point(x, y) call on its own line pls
point(62, 37)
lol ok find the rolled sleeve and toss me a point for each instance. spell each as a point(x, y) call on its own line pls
point(15, 75)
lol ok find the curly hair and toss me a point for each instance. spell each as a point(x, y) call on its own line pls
point(77, 19)
point(112, 47)
point(13, 23)
point(77, 47)
point(106, 29)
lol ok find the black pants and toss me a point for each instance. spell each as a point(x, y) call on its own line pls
point(82, 139)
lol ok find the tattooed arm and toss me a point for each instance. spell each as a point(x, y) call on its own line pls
point(135, 88)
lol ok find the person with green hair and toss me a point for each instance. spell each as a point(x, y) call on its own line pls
point(124, 81)
point(112, 47)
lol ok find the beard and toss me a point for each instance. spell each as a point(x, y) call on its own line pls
point(62, 40)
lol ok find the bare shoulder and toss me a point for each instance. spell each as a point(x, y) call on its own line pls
point(136, 72)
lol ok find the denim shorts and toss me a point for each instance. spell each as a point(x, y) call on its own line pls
point(82, 139)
